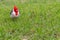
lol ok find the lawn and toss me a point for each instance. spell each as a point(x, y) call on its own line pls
point(38, 20)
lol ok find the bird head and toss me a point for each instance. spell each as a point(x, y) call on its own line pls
point(16, 10)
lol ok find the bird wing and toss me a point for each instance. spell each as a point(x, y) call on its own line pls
point(11, 11)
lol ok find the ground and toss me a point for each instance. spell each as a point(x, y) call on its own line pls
point(38, 20)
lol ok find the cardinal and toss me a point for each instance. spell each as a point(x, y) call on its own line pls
point(14, 12)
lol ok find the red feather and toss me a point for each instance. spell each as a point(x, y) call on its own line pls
point(16, 10)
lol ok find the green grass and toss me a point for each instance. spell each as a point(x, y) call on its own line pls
point(38, 20)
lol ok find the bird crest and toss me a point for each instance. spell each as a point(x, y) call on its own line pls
point(16, 10)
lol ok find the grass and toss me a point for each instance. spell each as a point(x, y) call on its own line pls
point(38, 20)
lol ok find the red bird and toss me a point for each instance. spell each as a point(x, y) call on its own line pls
point(14, 13)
